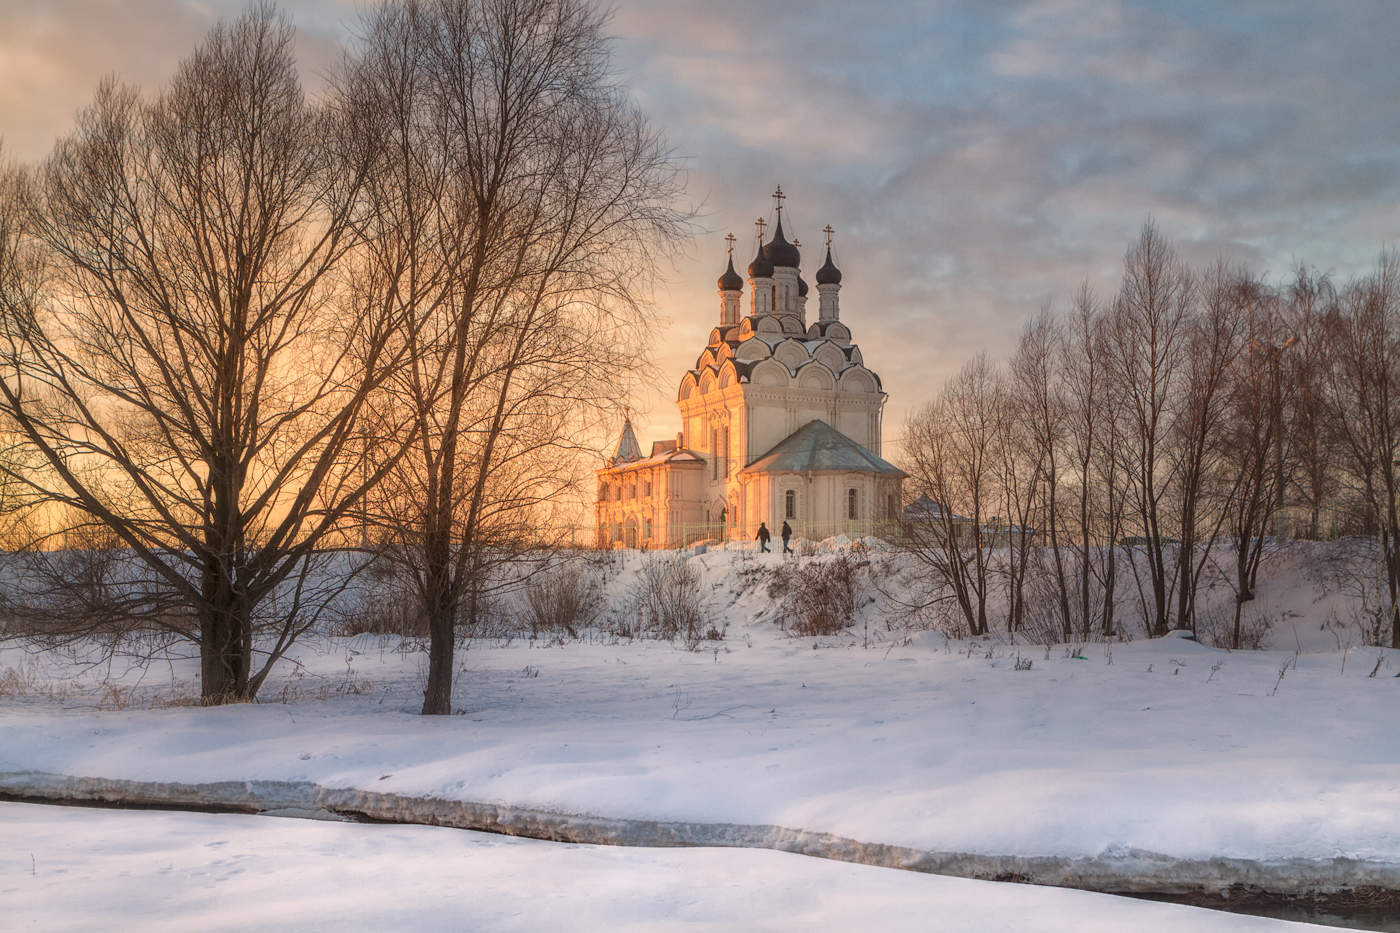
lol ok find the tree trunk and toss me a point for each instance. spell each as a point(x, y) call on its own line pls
point(441, 607)
point(225, 639)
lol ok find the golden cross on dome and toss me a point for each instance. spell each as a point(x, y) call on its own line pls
point(760, 223)
point(730, 238)
point(828, 231)
point(779, 196)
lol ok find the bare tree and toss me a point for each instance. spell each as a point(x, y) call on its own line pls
point(951, 446)
point(189, 379)
point(525, 203)
point(1148, 339)
point(1308, 303)
point(1250, 431)
point(1212, 341)
point(1363, 410)
point(1087, 426)
point(1036, 381)
point(21, 287)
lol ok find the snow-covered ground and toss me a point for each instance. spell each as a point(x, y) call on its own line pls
point(71, 869)
point(1166, 746)
point(1154, 748)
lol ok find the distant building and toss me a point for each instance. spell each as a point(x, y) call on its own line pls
point(925, 511)
point(780, 421)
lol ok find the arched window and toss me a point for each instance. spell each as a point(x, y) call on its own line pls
point(851, 504)
point(790, 504)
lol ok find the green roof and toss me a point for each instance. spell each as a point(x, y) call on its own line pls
point(817, 447)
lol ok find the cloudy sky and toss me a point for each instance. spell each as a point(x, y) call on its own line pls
point(976, 159)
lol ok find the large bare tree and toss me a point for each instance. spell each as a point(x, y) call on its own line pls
point(525, 201)
point(189, 376)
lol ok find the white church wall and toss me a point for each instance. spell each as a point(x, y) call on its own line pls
point(855, 424)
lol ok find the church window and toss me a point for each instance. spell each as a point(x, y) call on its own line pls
point(851, 504)
point(790, 504)
point(646, 487)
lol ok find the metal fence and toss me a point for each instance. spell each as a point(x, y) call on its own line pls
point(723, 534)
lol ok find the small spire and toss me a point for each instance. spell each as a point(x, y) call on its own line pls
point(627, 447)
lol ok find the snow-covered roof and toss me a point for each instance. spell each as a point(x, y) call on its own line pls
point(677, 456)
point(817, 447)
point(927, 510)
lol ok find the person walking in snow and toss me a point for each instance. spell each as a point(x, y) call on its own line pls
point(763, 536)
point(786, 533)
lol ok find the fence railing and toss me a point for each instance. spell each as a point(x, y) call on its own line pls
point(724, 534)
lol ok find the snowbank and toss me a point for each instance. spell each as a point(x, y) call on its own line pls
point(91, 870)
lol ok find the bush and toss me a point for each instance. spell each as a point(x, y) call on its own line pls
point(821, 596)
point(670, 598)
point(562, 598)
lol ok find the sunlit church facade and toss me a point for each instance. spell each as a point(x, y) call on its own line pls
point(781, 420)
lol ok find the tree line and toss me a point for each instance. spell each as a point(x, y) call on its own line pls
point(1133, 445)
point(238, 325)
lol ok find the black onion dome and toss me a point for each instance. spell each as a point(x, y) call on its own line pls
point(779, 251)
point(760, 268)
point(828, 274)
point(801, 287)
point(730, 281)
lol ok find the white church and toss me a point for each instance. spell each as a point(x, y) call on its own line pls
point(780, 421)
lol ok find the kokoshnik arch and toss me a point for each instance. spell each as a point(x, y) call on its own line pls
point(780, 421)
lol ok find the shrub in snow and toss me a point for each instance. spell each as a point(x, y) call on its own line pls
point(561, 599)
point(820, 596)
point(670, 598)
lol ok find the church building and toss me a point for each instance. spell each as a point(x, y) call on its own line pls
point(780, 421)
